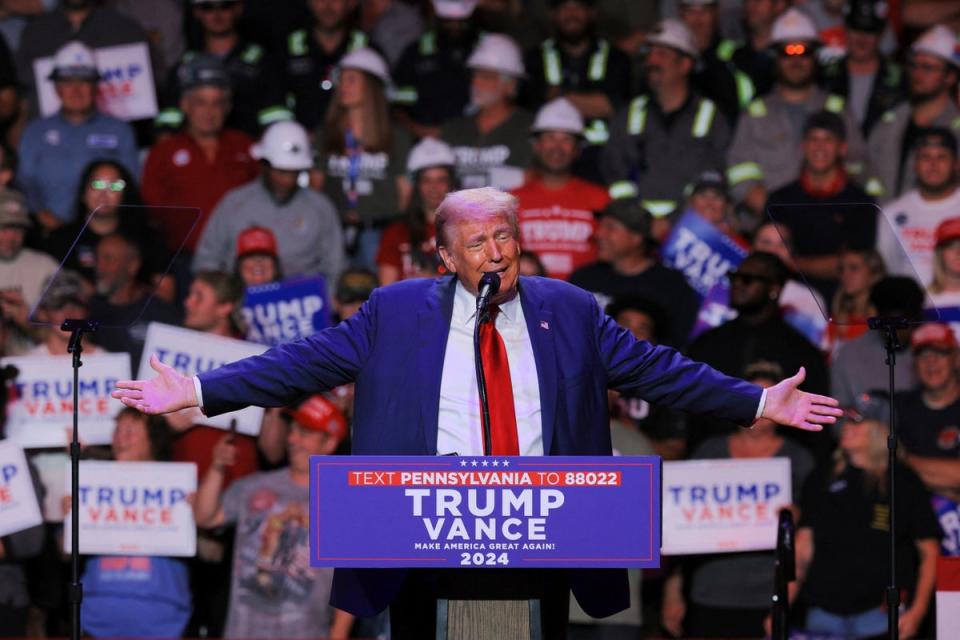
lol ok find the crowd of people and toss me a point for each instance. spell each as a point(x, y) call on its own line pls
point(816, 140)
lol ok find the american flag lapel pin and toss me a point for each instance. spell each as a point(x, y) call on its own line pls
point(545, 325)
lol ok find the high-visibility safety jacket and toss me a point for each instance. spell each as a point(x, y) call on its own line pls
point(885, 147)
point(258, 98)
point(655, 156)
point(766, 146)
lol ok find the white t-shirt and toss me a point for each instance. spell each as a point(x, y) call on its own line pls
point(905, 239)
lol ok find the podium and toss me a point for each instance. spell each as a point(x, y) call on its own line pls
point(499, 541)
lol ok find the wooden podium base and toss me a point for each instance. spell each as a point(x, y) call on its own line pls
point(488, 620)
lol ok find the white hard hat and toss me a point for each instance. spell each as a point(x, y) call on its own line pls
point(939, 41)
point(497, 52)
point(794, 25)
point(558, 115)
point(75, 61)
point(673, 33)
point(367, 60)
point(454, 9)
point(430, 152)
point(284, 145)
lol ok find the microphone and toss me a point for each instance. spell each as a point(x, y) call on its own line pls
point(489, 285)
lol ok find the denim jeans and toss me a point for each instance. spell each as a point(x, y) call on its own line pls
point(859, 625)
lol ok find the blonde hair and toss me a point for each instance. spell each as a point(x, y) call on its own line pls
point(842, 305)
point(377, 132)
point(474, 204)
point(875, 472)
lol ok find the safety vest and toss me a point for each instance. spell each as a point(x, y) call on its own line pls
point(298, 43)
point(702, 121)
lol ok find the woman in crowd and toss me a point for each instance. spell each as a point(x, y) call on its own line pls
point(843, 540)
point(860, 269)
point(257, 258)
point(361, 154)
point(408, 248)
point(945, 287)
point(136, 596)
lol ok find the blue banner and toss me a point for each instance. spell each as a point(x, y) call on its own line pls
point(280, 312)
point(701, 252)
point(449, 511)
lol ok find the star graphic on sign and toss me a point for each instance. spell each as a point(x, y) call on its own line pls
point(484, 463)
point(463, 463)
point(473, 463)
point(506, 463)
point(496, 463)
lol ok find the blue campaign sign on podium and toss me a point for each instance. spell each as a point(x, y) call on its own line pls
point(447, 511)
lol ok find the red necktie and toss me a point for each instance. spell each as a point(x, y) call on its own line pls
point(496, 371)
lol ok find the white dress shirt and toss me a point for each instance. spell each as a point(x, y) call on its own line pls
point(459, 429)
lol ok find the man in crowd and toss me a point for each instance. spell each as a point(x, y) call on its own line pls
point(85, 21)
point(557, 209)
point(716, 77)
point(824, 211)
point(928, 423)
point(759, 332)
point(753, 56)
point(491, 145)
point(583, 68)
point(256, 90)
point(763, 156)
point(664, 139)
point(121, 296)
point(275, 593)
point(932, 71)
point(55, 150)
point(870, 82)
point(432, 79)
point(202, 162)
point(304, 222)
point(310, 58)
point(856, 367)
point(477, 234)
point(906, 236)
point(627, 267)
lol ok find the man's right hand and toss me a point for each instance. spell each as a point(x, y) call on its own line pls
point(168, 391)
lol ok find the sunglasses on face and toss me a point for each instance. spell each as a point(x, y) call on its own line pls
point(108, 185)
point(226, 5)
point(795, 50)
point(747, 278)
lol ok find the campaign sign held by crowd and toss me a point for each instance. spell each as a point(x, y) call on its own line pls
point(40, 406)
point(19, 508)
point(191, 352)
point(126, 89)
point(280, 312)
point(448, 511)
point(701, 252)
point(135, 508)
point(716, 506)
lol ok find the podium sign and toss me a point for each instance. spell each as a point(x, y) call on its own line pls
point(442, 512)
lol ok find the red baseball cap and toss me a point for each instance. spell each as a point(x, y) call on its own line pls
point(947, 230)
point(316, 413)
point(256, 240)
point(934, 335)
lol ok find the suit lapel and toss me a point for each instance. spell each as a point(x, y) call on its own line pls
point(433, 330)
point(539, 319)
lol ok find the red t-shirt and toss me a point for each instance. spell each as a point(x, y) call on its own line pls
point(178, 173)
point(396, 251)
point(558, 224)
point(196, 445)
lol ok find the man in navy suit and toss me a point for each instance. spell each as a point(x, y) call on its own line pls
point(410, 351)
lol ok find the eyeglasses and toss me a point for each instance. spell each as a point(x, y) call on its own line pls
point(108, 185)
point(223, 5)
point(795, 49)
point(747, 278)
point(929, 67)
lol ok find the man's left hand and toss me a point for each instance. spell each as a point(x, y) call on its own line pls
point(788, 405)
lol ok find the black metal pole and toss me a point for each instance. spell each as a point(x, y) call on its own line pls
point(889, 327)
point(75, 592)
point(784, 573)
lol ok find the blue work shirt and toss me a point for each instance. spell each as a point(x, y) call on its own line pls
point(54, 153)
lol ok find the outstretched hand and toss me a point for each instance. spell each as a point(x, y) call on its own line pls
point(168, 391)
point(788, 405)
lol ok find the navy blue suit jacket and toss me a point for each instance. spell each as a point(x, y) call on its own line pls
point(394, 347)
